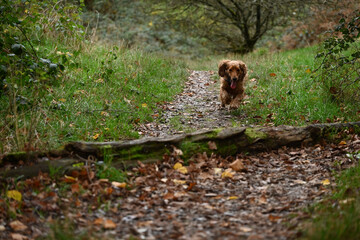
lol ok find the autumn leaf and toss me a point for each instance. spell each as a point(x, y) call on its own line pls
point(17, 236)
point(227, 174)
point(245, 229)
point(109, 224)
point(237, 166)
point(217, 171)
point(177, 166)
point(180, 168)
point(75, 188)
point(118, 184)
point(144, 105)
point(14, 194)
point(212, 145)
point(342, 143)
point(272, 75)
point(180, 182)
point(96, 136)
point(233, 198)
point(69, 179)
point(308, 70)
point(325, 182)
point(62, 100)
point(98, 221)
point(18, 226)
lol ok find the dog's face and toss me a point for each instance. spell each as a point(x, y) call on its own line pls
point(233, 72)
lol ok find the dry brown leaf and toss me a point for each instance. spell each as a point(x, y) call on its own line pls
point(109, 224)
point(274, 218)
point(98, 221)
point(245, 229)
point(237, 166)
point(262, 199)
point(18, 226)
point(17, 236)
point(118, 184)
point(212, 145)
point(227, 174)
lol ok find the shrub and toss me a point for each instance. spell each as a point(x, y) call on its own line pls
point(27, 71)
point(338, 71)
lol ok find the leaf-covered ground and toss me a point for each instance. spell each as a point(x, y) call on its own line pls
point(197, 107)
point(248, 196)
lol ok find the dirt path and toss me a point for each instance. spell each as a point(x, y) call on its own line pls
point(248, 196)
point(257, 196)
point(197, 107)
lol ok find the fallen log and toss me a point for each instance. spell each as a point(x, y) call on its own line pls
point(224, 142)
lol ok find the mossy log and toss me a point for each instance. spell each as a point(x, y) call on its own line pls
point(228, 141)
point(225, 142)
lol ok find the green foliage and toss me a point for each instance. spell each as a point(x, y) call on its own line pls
point(107, 171)
point(58, 87)
point(338, 217)
point(339, 67)
point(27, 71)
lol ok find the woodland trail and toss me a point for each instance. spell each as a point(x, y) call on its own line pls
point(257, 195)
point(197, 107)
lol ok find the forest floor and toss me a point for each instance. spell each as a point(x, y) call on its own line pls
point(248, 196)
point(197, 107)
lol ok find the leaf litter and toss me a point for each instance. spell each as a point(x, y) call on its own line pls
point(197, 107)
point(247, 196)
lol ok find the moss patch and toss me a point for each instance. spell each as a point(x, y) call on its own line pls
point(253, 134)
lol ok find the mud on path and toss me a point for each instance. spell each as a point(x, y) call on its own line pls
point(197, 107)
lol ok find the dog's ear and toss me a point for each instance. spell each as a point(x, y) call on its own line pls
point(222, 67)
point(243, 67)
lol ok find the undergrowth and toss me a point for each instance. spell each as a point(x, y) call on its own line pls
point(338, 216)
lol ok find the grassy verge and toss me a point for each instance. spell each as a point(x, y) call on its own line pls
point(282, 89)
point(103, 94)
point(338, 217)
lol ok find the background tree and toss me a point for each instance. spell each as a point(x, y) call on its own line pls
point(235, 25)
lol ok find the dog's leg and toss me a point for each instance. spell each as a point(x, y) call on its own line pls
point(225, 98)
point(235, 103)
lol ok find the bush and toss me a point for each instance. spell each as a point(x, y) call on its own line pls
point(339, 61)
point(26, 72)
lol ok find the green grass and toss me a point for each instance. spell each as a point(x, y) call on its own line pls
point(283, 89)
point(102, 95)
point(338, 216)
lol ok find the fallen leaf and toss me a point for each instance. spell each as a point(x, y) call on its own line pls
point(299, 181)
point(191, 185)
point(233, 198)
point(262, 199)
point(212, 145)
point(95, 136)
point(227, 174)
point(2, 228)
point(144, 105)
point(169, 195)
point(274, 218)
point(177, 151)
point(109, 224)
point(69, 179)
point(308, 70)
point(177, 166)
point(14, 194)
point(179, 181)
point(245, 229)
point(118, 184)
point(17, 225)
point(325, 182)
point(182, 170)
point(98, 221)
point(342, 143)
point(17, 236)
point(217, 171)
point(237, 165)
point(272, 75)
point(75, 188)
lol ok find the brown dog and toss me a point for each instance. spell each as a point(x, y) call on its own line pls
point(233, 76)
